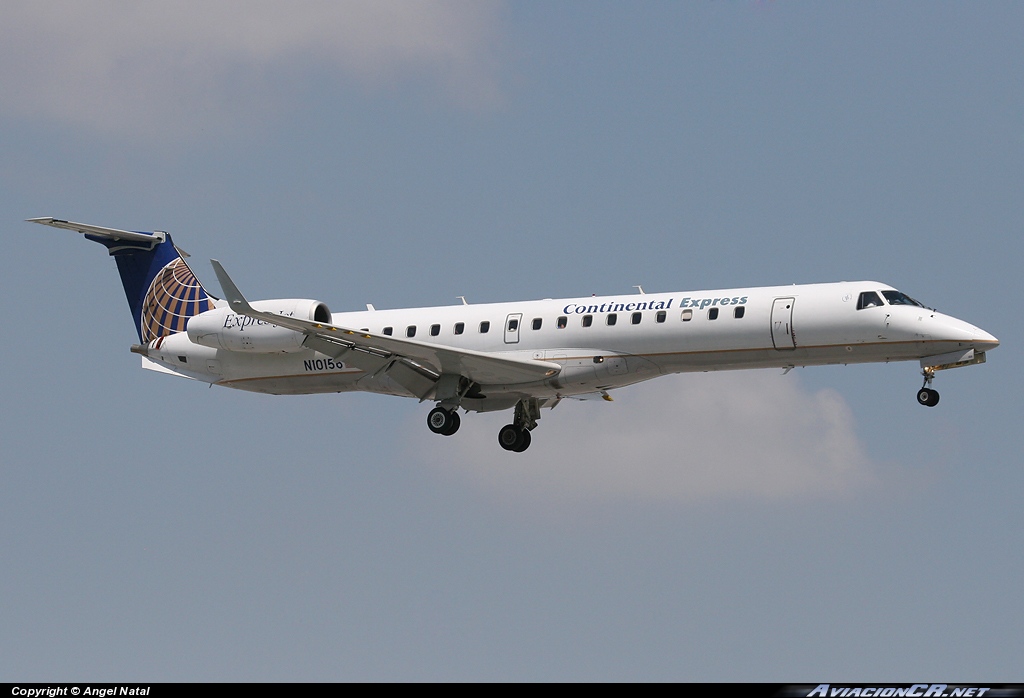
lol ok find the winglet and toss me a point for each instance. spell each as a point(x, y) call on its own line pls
point(231, 292)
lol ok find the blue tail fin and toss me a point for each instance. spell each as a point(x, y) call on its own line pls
point(162, 291)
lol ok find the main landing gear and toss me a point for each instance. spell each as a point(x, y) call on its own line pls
point(516, 437)
point(513, 437)
point(926, 395)
point(444, 422)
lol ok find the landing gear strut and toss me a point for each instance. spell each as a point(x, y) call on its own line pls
point(442, 421)
point(516, 437)
point(926, 396)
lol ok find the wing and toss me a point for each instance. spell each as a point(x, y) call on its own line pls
point(479, 367)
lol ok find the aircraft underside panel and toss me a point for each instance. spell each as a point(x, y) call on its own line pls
point(580, 374)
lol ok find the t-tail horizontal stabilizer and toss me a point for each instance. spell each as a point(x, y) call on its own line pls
point(109, 233)
point(161, 289)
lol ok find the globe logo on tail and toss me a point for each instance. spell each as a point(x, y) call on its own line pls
point(174, 296)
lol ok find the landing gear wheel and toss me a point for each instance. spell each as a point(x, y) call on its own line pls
point(511, 438)
point(442, 421)
point(437, 420)
point(928, 397)
point(516, 437)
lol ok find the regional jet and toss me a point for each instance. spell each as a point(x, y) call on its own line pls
point(521, 356)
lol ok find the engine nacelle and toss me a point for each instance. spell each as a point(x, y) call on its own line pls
point(221, 328)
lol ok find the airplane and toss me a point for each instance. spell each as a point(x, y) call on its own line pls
point(522, 356)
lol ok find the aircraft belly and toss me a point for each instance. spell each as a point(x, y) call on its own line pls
point(293, 374)
point(576, 373)
point(297, 384)
point(298, 374)
point(801, 356)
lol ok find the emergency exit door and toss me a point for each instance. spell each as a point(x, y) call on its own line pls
point(512, 323)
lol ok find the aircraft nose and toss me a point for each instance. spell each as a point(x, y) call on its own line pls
point(965, 332)
point(987, 339)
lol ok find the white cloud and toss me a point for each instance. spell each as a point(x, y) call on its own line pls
point(739, 435)
point(186, 66)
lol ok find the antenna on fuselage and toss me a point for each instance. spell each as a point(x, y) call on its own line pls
point(463, 299)
point(641, 289)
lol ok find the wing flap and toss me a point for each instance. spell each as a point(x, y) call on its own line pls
point(409, 378)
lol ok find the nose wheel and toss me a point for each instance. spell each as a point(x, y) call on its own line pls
point(926, 395)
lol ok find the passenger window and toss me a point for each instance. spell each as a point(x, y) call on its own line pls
point(713, 314)
point(687, 315)
point(739, 311)
point(537, 323)
point(388, 331)
point(513, 325)
point(635, 318)
point(588, 320)
point(612, 318)
point(660, 317)
point(410, 331)
point(563, 321)
point(460, 327)
point(868, 299)
point(485, 327)
point(435, 330)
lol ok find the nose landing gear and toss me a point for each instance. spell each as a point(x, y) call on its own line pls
point(926, 395)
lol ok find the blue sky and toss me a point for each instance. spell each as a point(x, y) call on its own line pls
point(746, 526)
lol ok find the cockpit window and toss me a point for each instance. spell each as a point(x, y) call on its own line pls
point(868, 299)
point(897, 298)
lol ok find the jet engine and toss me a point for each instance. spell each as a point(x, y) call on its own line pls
point(221, 328)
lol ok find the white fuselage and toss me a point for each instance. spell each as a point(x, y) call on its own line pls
point(652, 334)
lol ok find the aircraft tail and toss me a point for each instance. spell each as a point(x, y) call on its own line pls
point(162, 291)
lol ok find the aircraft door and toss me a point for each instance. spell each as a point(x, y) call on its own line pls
point(783, 336)
point(512, 323)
